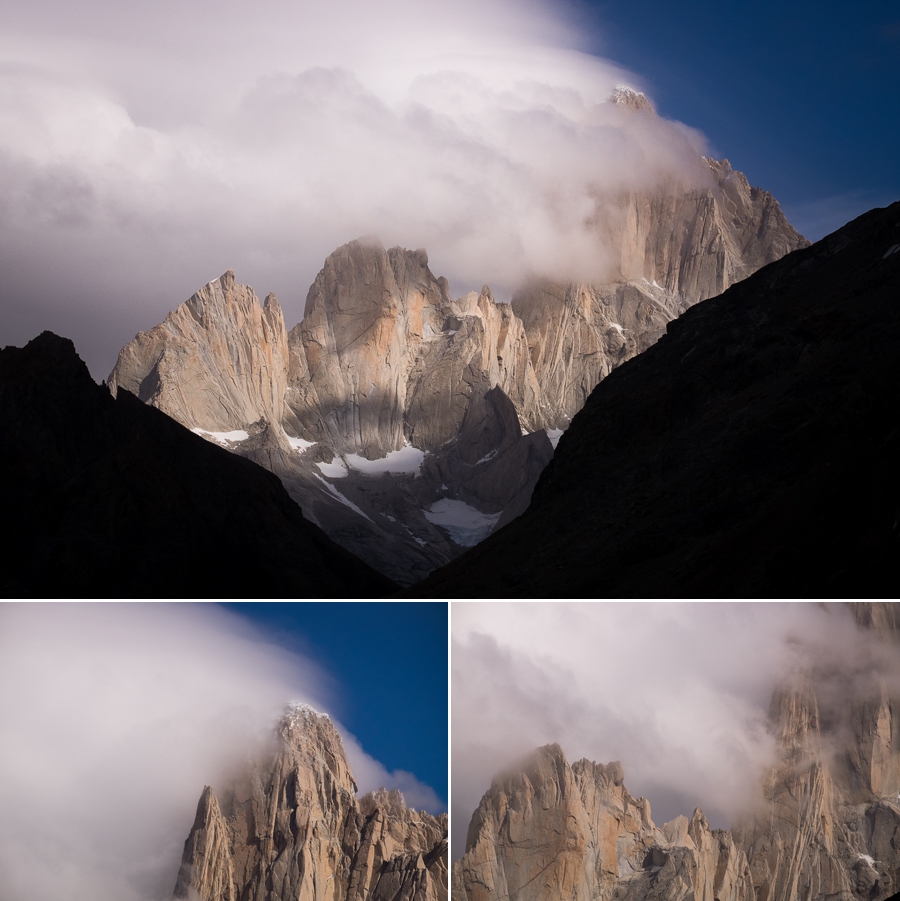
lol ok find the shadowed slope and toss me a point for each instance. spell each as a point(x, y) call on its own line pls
point(752, 451)
point(108, 497)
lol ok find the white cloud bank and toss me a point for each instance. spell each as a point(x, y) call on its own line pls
point(145, 148)
point(114, 717)
point(679, 693)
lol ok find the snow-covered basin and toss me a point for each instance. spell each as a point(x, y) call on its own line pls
point(466, 525)
point(406, 461)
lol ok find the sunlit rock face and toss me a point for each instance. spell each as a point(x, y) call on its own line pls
point(386, 362)
point(824, 824)
point(555, 830)
point(218, 362)
point(291, 827)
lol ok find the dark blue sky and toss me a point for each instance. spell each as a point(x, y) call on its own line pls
point(390, 662)
point(802, 96)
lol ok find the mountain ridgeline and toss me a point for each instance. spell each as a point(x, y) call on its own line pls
point(824, 827)
point(409, 424)
point(291, 826)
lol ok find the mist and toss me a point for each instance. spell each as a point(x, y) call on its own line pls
point(679, 693)
point(147, 148)
point(114, 718)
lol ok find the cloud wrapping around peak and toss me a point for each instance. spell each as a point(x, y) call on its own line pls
point(679, 693)
point(142, 151)
point(114, 718)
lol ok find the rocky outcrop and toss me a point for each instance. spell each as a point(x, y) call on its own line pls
point(291, 827)
point(824, 827)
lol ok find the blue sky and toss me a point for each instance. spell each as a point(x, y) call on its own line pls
point(803, 97)
point(390, 664)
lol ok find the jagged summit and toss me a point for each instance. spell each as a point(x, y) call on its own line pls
point(290, 826)
point(300, 710)
point(623, 95)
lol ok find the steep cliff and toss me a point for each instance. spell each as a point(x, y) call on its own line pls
point(555, 831)
point(824, 825)
point(291, 827)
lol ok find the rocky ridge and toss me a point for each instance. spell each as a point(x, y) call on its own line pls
point(291, 827)
point(825, 826)
point(387, 368)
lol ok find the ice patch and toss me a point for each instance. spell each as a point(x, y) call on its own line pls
point(336, 469)
point(891, 250)
point(465, 525)
point(486, 457)
point(420, 541)
point(299, 444)
point(408, 460)
point(223, 437)
point(345, 501)
point(554, 435)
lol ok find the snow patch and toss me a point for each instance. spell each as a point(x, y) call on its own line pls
point(617, 327)
point(223, 438)
point(344, 500)
point(408, 460)
point(891, 250)
point(488, 456)
point(300, 710)
point(554, 435)
point(336, 469)
point(869, 860)
point(465, 525)
point(299, 444)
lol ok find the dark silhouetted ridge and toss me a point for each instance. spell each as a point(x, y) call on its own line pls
point(752, 452)
point(108, 497)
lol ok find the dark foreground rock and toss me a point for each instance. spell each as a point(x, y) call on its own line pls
point(108, 497)
point(753, 451)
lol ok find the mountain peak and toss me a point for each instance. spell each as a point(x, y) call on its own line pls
point(623, 95)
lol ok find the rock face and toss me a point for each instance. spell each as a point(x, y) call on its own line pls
point(291, 827)
point(825, 826)
point(751, 452)
point(676, 248)
point(830, 813)
point(218, 362)
point(111, 498)
point(559, 831)
point(385, 361)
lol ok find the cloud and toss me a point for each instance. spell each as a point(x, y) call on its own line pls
point(114, 718)
point(146, 149)
point(679, 693)
point(371, 775)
